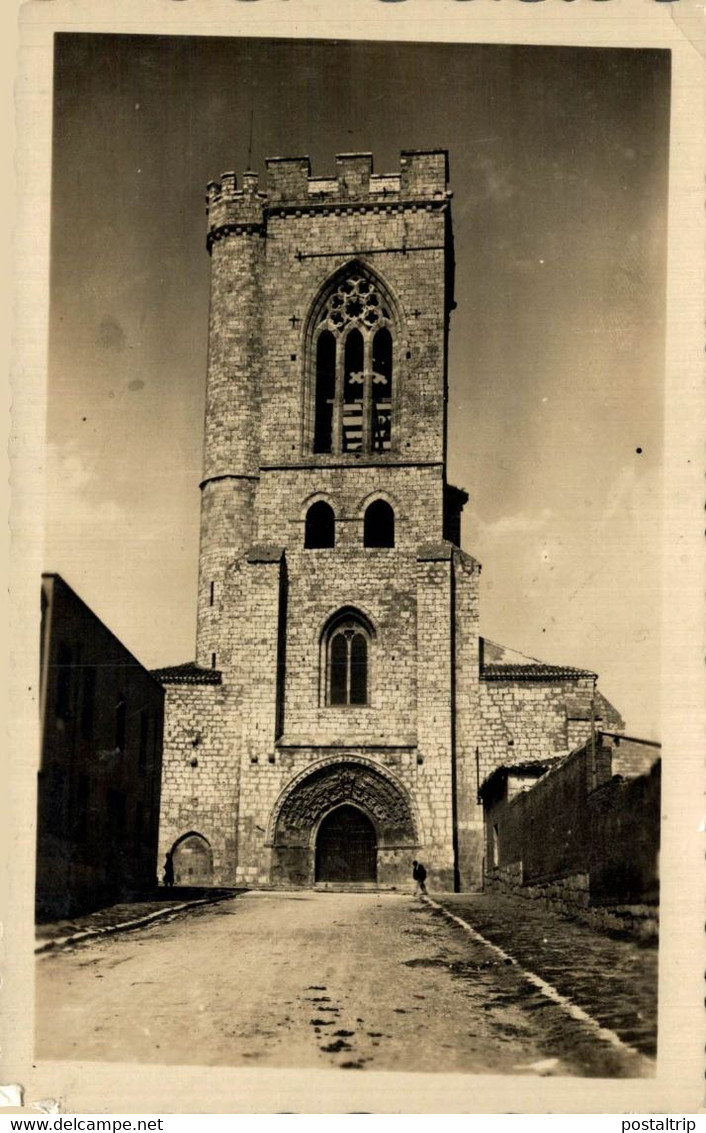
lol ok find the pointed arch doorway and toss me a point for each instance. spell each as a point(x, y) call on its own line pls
point(346, 847)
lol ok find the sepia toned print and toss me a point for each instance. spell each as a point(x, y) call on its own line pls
point(344, 733)
point(388, 428)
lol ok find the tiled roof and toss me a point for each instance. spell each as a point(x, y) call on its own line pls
point(187, 674)
point(498, 663)
point(536, 672)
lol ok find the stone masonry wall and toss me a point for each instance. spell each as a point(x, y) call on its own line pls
point(232, 421)
point(271, 605)
point(417, 283)
point(525, 720)
point(434, 711)
point(200, 772)
point(264, 783)
point(402, 599)
point(265, 600)
point(633, 757)
point(468, 736)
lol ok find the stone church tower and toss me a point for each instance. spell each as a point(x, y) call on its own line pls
point(342, 709)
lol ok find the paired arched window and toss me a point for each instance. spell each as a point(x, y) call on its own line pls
point(347, 649)
point(320, 526)
point(379, 525)
point(353, 357)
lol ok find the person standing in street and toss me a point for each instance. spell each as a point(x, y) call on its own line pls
point(168, 870)
point(420, 876)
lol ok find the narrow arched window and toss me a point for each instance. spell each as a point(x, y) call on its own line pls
point(353, 388)
point(325, 391)
point(358, 685)
point(379, 525)
point(347, 663)
point(381, 400)
point(339, 669)
point(320, 526)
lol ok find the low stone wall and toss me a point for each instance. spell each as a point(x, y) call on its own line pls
point(570, 896)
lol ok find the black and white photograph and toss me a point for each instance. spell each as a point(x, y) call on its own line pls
point(351, 687)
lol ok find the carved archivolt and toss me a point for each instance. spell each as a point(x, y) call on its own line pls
point(331, 786)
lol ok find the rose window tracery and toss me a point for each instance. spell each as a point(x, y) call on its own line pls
point(355, 300)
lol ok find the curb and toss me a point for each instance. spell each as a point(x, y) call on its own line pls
point(105, 930)
point(547, 989)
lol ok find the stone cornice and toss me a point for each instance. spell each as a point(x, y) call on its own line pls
point(247, 228)
point(335, 207)
point(349, 206)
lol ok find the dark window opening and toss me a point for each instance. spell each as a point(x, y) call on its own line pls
point(320, 526)
point(348, 666)
point(325, 391)
point(212, 591)
point(379, 525)
point(213, 660)
point(353, 386)
point(381, 401)
point(120, 723)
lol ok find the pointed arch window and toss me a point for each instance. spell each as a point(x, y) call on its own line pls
point(352, 348)
point(353, 388)
point(347, 651)
point(381, 391)
point(325, 391)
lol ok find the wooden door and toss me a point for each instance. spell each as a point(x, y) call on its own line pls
point(346, 847)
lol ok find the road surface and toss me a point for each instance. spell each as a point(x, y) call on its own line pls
point(312, 980)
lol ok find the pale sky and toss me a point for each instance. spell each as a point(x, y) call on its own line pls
point(558, 161)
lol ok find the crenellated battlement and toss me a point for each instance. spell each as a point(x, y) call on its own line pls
point(230, 208)
point(422, 178)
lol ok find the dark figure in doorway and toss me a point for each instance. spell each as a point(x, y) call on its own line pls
point(420, 876)
point(168, 870)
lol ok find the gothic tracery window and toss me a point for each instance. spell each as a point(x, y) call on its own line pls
point(353, 351)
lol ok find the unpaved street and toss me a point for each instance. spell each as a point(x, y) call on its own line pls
point(315, 979)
